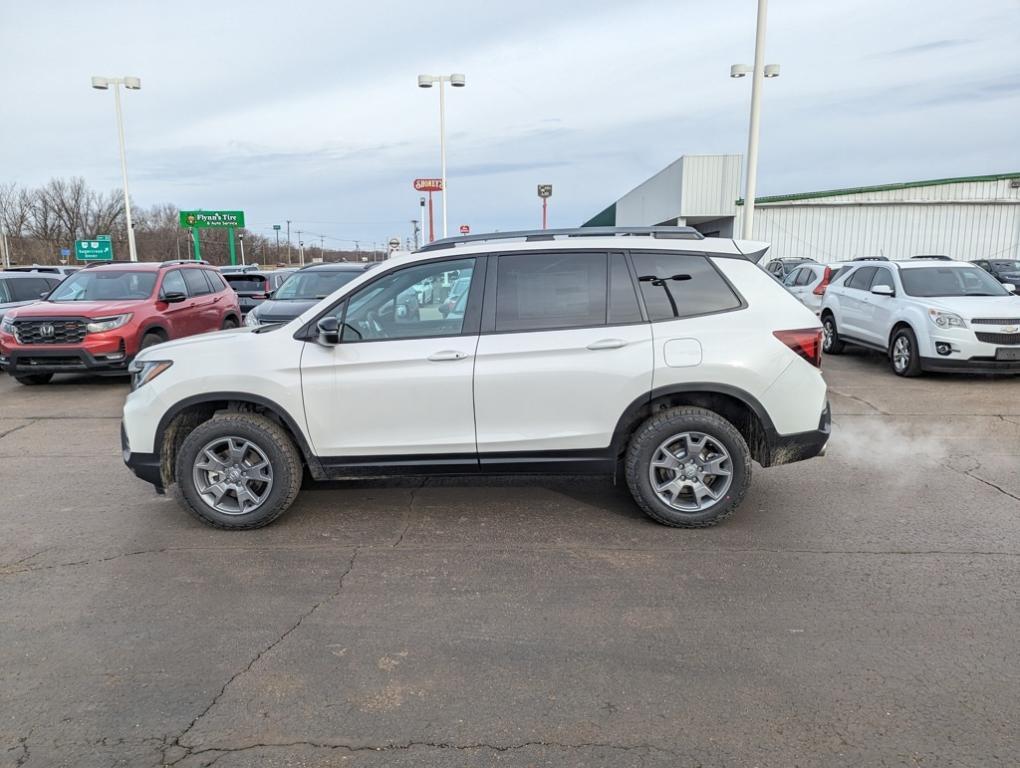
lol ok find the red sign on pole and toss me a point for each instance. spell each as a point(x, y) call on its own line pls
point(428, 185)
point(465, 229)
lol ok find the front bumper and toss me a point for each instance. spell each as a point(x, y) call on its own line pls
point(146, 466)
point(24, 361)
point(970, 365)
point(786, 449)
point(969, 354)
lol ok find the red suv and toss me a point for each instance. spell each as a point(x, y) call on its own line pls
point(100, 317)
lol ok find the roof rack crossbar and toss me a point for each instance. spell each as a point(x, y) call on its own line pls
point(532, 235)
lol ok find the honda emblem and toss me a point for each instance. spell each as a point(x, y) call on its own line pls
point(47, 331)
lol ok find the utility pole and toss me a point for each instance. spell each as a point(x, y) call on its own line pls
point(301, 248)
point(277, 243)
point(288, 241)
point(322, 253)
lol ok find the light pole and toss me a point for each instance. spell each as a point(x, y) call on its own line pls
point(758, 73)
point(240, 239)
point(132, 84)
point(455, 81)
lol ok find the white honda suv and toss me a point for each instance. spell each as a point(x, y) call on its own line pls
point(672, 357)
point(926, 315)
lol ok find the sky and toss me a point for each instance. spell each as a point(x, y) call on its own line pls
point(309, 110)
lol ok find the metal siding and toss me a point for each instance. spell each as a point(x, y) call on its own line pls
point(967, 220)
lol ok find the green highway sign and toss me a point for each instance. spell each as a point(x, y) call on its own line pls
point(190, 219)
point(276, 227)
point(100, 249)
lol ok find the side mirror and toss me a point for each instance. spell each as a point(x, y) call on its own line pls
point(1008, 286)
point(444, 310)
point(329, 331)
point(174, 297)
point(883, 290)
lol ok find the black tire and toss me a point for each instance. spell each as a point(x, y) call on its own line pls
point(904, 340)
point(31, 379)
point(831, 343)
point(284, 460)
point(228, 323)
point(645, 443)
point(150, 340)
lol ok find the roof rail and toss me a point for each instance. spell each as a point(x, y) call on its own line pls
point(172, 262)
point(532, 235)
point(92, 264)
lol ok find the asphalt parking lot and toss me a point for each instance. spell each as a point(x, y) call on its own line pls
point(860, 609)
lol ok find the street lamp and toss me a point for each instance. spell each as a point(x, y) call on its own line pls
point(132, 84)
point(456, 81)
point(759, 71)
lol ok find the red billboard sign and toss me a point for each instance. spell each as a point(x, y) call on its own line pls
point(465, 229)
point(428, 185)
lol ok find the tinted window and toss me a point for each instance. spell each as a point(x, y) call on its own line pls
point(791, 279)
point(5, 294)
point(173, 283)
point(680, 285)
point(623, 303)
point(950, 281)
point(839, 273)
point(882, 277)
point(197, 286)
point(861, 279)
point(29, 288)
point(388, 308)
point(805, 276)
point(215, 281)
point(546, 291)
point(247, 283)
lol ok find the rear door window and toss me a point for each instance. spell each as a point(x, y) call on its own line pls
point(676, 285)
point(196, 282)
point(550, 291)
point(805, 276)
point(861, 278)
point(215, 281)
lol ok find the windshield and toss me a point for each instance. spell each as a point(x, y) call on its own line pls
point(105, 285)
point(313, 284)
point(950, 281)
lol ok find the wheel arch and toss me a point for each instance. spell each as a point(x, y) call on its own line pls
point(736, 405)
point(898, 325)
point(184, 415)
point(154, 327)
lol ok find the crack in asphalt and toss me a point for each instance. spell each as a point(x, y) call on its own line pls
point(860, 400)
point(15, 429)
point(23, 746)
point(332, 596)
point(6, 570)
point(410, 745)
point(409, 513)
point(970, 473)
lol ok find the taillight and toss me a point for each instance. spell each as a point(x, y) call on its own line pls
point(820, 288)
point(806, 342)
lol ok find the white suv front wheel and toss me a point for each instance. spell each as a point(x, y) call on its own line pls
point(688, 467)
point(238, 471)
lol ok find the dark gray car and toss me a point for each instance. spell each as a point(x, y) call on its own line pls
point(253, 286)
point(20, 288)
point(303, 289)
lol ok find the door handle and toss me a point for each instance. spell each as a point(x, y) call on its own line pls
point(447, 354)
point(607, 344)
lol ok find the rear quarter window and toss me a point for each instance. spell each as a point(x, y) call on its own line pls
point(676, 285)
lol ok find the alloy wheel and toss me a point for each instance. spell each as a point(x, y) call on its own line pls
point(690, 471)
point(901, 353)
point(233, 475)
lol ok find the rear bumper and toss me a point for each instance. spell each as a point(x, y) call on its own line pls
point(972, 365)
point(146, 466)
point(24, 361)
point(786, 449)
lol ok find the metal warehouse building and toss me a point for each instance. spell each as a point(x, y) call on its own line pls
point(969, 218)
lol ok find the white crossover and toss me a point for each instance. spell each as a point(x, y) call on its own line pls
point(653, 352)
point(926, 315)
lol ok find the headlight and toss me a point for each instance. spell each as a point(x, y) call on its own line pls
point(7, 324)
point(103, 324)
point(251, 320)
point(144, 371)
point(946, 319)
